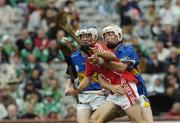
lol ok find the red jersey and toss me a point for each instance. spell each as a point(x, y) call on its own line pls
point(112, 77)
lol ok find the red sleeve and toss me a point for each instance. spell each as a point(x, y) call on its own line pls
point(37, 42)
point(104, 48)
point(89, 69)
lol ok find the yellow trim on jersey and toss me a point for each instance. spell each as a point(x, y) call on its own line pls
point(134, 71)
point(147, 104)
point(94, 77)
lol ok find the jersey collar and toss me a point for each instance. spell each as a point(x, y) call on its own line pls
point(120, 47)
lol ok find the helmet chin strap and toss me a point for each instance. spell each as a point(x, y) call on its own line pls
point(113, 45)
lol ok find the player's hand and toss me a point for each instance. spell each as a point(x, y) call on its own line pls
point(72, 92)
point(96, 51)
point(67, 91)
point(93, 59)
point(117, 89)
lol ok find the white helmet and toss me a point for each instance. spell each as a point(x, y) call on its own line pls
point(114, 28)
point(87, 29)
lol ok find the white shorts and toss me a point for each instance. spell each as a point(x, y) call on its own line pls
point(90, 101)
point(128, 99)
point(144, 101)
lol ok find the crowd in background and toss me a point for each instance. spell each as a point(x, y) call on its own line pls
point(32, 68)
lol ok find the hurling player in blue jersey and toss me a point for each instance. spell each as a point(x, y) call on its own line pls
point(90, 99)
point(113, 36)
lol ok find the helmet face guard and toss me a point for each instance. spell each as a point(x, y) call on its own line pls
point(89, 30)
point(92, 31)
point(113, 28)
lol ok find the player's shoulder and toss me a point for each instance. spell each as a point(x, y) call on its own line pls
point(98, 44)
point(75, 53)
point(127, 48)
point(101, 46)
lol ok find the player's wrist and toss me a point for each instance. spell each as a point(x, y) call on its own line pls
point(78, 90)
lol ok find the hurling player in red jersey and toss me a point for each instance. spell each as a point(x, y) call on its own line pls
point(129, 101)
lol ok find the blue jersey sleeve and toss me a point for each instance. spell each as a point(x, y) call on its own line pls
point(129, 55)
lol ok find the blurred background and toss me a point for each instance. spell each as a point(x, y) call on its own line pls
point(32, 69)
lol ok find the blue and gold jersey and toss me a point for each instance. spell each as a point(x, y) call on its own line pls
point(127, 53)
point(79, 65)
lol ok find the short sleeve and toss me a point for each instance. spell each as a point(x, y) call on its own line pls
point(129, 55)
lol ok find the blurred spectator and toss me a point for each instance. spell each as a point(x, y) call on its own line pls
point(53, 53)
point(50, 15)
point(52, 31)
point(129, 13)
point(41, 41)
point(29, 112)
point(35, 79)
point(75, 25)
point(3, 55)
point(17, 69)
point(174, 112)
point(156, 85)
point(24, 35)
point(50, 103)
point(11, 22)
point(34, 99)
point(156, 28)
point(29, 49)
point(32, 64)
point(51, 26)
point(12, 112)
point(5, 96)
point(151, 14)
point(173, 58)
point(142, 29)
point(31, 6)
point(176, 12)
point(8, 45)
point(171, 71)
point(35, 20)
point(106, 7)
point(54, 86)
point(168, 36)
point(54, 114)
point(29, 89)
point(15, 3)
point(51, 3)
point(162, 52)
point(17, 93)
point(171, 80)
point(71, 114)
point(154, 65)
point(3, 111)
point(71, 9)
point(48, 76)
point(140, 48)
point(60, 34)
point(166, 14)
